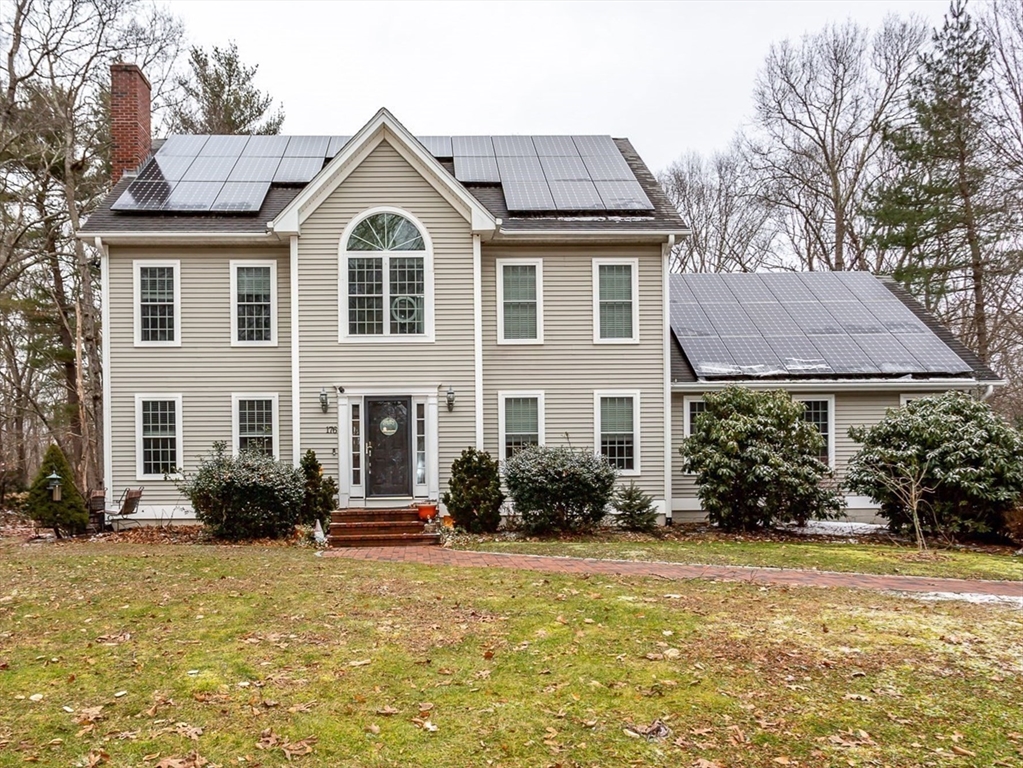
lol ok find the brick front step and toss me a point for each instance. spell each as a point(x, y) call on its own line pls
point(384, 540)
point(378, 528)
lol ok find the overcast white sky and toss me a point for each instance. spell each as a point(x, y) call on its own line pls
point(671, 76)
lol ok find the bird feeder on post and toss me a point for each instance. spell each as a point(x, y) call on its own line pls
point(53, 483)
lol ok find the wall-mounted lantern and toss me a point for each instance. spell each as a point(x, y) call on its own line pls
point(451, 399)
point(324, 401)
point(53, 484)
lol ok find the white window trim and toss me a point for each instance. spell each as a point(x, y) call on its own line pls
point(687, 424)
point(541, 433)
point(538, 263)
point(344, 337)
point(831, 422)
point(137, 265)
point(275, 419)
point(636, 419)
point(235, 264)
point(179, 436)
point(597, 263)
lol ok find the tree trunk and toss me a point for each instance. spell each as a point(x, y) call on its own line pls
point(977, 266)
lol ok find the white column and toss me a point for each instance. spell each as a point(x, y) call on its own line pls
point(433, 449)
point(477, 339)
point(344, 452)
point(296, 388)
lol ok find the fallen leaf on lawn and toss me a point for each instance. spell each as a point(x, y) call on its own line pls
point(193, 760)
point(425, 724)
point(372, 728)
point(702, 763)
point(295, 708)
point(782, 761)
point(94, 758)
point(387, 711)
point(656, 731)
point(267, 739)
point(36, 697)
point(120, 694)
point(359, 663)
point(962, 752)
point(89, 715)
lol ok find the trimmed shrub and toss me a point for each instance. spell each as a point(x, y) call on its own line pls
point(249, 496)
point(320, 492)
point(559, 489)
point(636, 511)
point(474, 497)
point(965, 463)
point(755, 460)
point(68, 516)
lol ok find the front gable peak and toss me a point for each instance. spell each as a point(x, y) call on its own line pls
point(382, 127)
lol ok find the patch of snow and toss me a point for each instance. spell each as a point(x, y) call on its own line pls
point(967, 597)
point(835, 528)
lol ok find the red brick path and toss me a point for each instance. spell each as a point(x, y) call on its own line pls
point(674, 571)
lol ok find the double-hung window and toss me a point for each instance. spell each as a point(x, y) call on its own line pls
point(157, 303)
point(157, 435)
point(615, 301)
point(255, 422)
point(521, 421)
point(616, 426)
point(820, 412)
point(253, 303)
point(519, 301)
point(386, 280)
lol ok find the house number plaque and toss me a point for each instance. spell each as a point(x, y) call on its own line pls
point(388, 426)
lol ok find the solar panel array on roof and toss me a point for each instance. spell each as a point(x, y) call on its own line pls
point(537, 173)
point(801, 325)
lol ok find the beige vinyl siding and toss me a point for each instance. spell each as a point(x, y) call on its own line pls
point(385, 179)
point(568, 367)
point(205, 370)
point(851, 409)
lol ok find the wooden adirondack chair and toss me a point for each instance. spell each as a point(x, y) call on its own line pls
point(128, 505)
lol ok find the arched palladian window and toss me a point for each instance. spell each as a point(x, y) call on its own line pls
point(385, 276)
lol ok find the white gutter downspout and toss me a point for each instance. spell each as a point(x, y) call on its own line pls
point(108, 420)
point(988, 391)
point(477, 335)
point(296, 389)
point(665, 326)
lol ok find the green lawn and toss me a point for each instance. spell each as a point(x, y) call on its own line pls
point(809, 553)
point(131, 655)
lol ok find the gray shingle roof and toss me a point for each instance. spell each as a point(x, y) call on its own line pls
point(800, 326)
point(663, 218)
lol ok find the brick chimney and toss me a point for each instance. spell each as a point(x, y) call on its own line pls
point(130, 127)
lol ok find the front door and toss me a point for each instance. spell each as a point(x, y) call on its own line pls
point(388, 456)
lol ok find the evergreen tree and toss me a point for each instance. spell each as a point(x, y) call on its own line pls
point(220, 97)
point(318, 501)
point(940, 210)
point(69, 514)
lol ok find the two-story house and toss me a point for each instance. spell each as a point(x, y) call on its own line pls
point(388, 300)
point(383, 299)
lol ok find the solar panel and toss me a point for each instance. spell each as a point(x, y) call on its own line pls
point(297, 170)
point(680, 292)
point(223, 146)
point(514, 146)
point(771, 319)
point(853, 318)
point(565, 168)
point(555, 146)
point(336, 144)
point(470, 168)
point(709, 288)
point(786, 288)
point(710, 357)
point(143, 196)
point(212, 168)
point(748, 288)
point(623, 195)
point(193, 195)
point(608, 168)
point(183, 146)
point(472, 146)
point(520, 168)
point(438, 146)
point(729, 319)
point(528, 195)
point(308, 146)
point(825, 287)
point(799, 355)
point(813, 318)
point(885, 351)
point(596, 145)
point(689, 320)
point(266, 146)
point(754, 355)
point(932, 353)
point(865, 287)
point(895, 317)
point(241, 196)
point(575, 196)
point(165, 168)
point(254, 169)
point(844, 355)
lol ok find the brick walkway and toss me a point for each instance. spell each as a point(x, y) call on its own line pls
point(674, 571)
